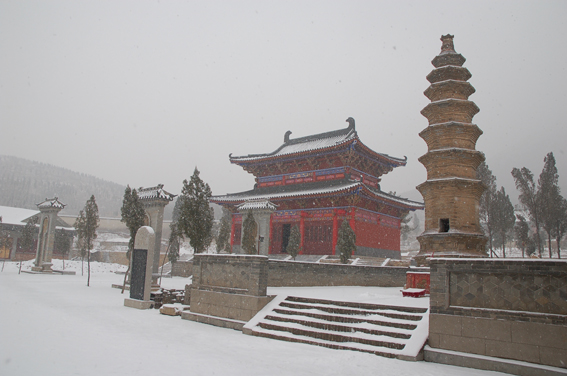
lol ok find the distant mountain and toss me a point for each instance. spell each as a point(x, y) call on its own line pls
point(25, 183)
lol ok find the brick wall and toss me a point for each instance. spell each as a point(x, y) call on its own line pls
point(297, 274)
point(514, 309)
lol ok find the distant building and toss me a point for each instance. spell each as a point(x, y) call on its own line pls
point(317, 182)
point(13, 222)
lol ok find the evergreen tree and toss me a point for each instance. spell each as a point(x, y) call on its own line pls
point(486, 208)
point(28, 233)
point(550, 197)
point(503, 217)
point(223, 239)
point(294, 243)
point(81, 242)
point(62, 243)
point(87, 229)
point(529, 198)
point(134, 216)
point(346, 242)
point(174, 244)
point(196, 216)
point(522, 232)
point(560, 224)
point(249, 232)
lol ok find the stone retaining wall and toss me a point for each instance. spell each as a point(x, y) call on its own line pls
point(229, 286)
point(298, 274)
point(514, 309)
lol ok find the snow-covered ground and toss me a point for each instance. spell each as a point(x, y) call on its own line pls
point(56, 325)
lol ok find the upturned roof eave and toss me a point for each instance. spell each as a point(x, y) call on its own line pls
point(353, 188)
point(266, 158)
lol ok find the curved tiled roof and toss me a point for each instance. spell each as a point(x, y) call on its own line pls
point(156, 192)
point(257, 204)
point(314, 143)
point(314, 190)
point(51, 203)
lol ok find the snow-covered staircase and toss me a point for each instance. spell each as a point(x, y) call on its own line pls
point(390, 331)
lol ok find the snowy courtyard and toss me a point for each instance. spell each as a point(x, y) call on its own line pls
point(56, 325)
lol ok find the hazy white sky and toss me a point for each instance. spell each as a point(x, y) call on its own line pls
point(141, 92)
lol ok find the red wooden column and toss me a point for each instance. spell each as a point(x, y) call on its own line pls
point(335, 230)
point(302, 216)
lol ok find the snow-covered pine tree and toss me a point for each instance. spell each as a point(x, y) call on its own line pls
point(529, 199)
point(486, 204)
point(249, 232)
point(561, 224)
point(28, 232)
point(63, 243)
point(133, 215)
point(522, 232)
point(346, 242)
point(502, 216)
point(174, 245)
point(549, 196)
point(81, 244)
point(86, 226)
point(294, 242)
point(223, 239)
point(195, 215)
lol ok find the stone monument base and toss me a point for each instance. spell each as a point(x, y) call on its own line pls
point(43, 268)
point(138, 304)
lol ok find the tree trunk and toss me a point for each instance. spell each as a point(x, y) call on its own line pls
point(558, 239)
point(89, 267)
point(88, 263)
point(503, 245)
point(549, 242)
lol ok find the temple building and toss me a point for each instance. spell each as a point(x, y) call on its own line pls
point(317, 182)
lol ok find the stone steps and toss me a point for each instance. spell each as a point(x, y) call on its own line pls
point(390, 331)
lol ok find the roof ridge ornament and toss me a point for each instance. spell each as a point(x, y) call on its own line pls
point(286, 137)
point(350, 123)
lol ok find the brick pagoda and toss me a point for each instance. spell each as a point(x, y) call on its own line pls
point(317, 182)
point(452, 190)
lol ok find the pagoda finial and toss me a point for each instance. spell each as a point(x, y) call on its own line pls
point(447, 45)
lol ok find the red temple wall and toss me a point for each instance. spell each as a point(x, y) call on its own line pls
point(373, 235)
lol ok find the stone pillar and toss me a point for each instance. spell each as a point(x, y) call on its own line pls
point(46, 239)
point(142, 266)
point(452, 190)
point(155, 199)
point(262, 213)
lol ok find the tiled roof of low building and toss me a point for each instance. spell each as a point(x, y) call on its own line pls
point(51, 203)
point(156, 192)
point(257, 204)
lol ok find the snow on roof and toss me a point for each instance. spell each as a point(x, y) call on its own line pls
point(308, 143)
point(153, 193)
point(15, 216)
point(311, 143)
point(343, 187)
point(51, 203)
point(257, 204)
point(254, 195)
